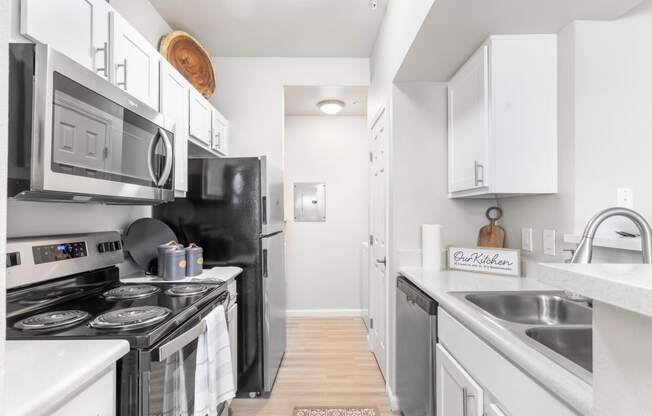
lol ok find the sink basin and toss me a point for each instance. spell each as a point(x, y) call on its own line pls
point(575, 344)
point(532, 308)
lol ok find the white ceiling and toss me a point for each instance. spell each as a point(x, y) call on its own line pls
point(454, 29)
point(302, 101)
point(281, 28)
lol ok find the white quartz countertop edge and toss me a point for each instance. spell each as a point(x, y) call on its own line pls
point(43, 375)
point(225, 274)
point(574, 391)
point(628, 286)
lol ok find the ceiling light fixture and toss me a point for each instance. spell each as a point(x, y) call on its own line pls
point(373, 4)
point(331, 107)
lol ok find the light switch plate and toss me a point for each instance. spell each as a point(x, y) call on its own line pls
point(625, 198)
point(549, 242)
point(526, 239)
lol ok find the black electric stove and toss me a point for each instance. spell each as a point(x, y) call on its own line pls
point(96, 305)
point(65, 287)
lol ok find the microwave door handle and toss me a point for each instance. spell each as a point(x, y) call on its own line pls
point(166, 350)
point(169, 158)
point(150, 160)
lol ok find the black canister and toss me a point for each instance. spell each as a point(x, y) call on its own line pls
point(175, 263)
point(194, 260)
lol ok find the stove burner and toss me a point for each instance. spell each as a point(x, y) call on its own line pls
point(131, 318)
point(130, 292)
point(43, 296)
point(51, 320)
point(191, 289)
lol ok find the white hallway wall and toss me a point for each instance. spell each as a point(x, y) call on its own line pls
point(249, 93)
point(323, 258)
point(4, 54)
point(604, 124)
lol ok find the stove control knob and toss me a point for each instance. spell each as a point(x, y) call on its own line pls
point(100, 247)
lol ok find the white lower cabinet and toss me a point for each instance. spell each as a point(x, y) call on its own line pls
point(457, 393)
point(473, 379)
point(97, 399)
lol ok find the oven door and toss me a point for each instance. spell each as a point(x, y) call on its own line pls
point(168, 386)
point(95, 141)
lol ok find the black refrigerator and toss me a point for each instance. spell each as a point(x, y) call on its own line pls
point(234, 210)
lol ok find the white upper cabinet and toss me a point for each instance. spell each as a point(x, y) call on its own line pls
point(77, 28)
point(201, 115)
point(174, 106)
point(135, 62)
point(502, 121)
point(220, 142)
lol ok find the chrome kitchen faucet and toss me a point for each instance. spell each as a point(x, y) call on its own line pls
point(584, 250)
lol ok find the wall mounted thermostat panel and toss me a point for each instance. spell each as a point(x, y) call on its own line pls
point(309, 202)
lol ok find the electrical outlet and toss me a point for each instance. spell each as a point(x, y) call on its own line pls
point(526, 239)
point(625, 198)
point(549, 242)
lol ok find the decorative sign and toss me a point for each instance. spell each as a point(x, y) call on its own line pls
point(485, 260)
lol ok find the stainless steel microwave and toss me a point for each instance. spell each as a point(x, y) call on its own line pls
point(76, 137)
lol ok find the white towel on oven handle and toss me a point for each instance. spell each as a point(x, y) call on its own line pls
point(214, 381)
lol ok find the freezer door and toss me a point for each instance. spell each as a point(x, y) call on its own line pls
point(273, 216)
point(274, 306)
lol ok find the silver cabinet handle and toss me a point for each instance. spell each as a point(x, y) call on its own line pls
point(382, 261)
point(175, 344)
point(479, 180)
point(124, 83)
point(169, 152)
point(465, 401)
point(105, 51)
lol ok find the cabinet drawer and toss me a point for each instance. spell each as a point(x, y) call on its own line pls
point(513, 389)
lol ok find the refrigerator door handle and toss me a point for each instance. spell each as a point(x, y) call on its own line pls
point(264, 210)
point(265, 270)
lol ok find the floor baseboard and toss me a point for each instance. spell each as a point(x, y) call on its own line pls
point(323, 313)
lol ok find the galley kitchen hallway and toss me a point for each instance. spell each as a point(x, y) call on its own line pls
point(327, 363)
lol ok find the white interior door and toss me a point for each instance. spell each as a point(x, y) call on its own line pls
point(378, 250)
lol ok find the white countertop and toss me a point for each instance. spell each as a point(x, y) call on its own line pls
point(225, 274)
point(561, 382)
point(628, 286)
point(42, 375)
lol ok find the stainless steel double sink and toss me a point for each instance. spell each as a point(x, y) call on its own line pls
point(549, 321)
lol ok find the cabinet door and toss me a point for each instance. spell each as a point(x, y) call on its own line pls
point(136, 62)
point(174, 105)
point(201, 114)
point(457, 393)
point(233, 341)
point(468, 124)
point(220, 129)
point(76, 28)
point(494, 410)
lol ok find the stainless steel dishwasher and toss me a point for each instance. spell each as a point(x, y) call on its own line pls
point(416, 334)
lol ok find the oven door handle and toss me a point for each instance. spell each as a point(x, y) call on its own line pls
point(177, 343)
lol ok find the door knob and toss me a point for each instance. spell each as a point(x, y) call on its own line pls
point(383, 261)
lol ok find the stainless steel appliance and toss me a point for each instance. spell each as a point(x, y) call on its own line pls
point(416, 332)
point(68, 287)
point(234, 210)
point(74, 136)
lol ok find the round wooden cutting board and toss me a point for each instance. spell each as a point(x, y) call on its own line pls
point(190, 59)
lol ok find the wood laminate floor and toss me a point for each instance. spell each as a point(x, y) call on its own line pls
point(327, 363)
